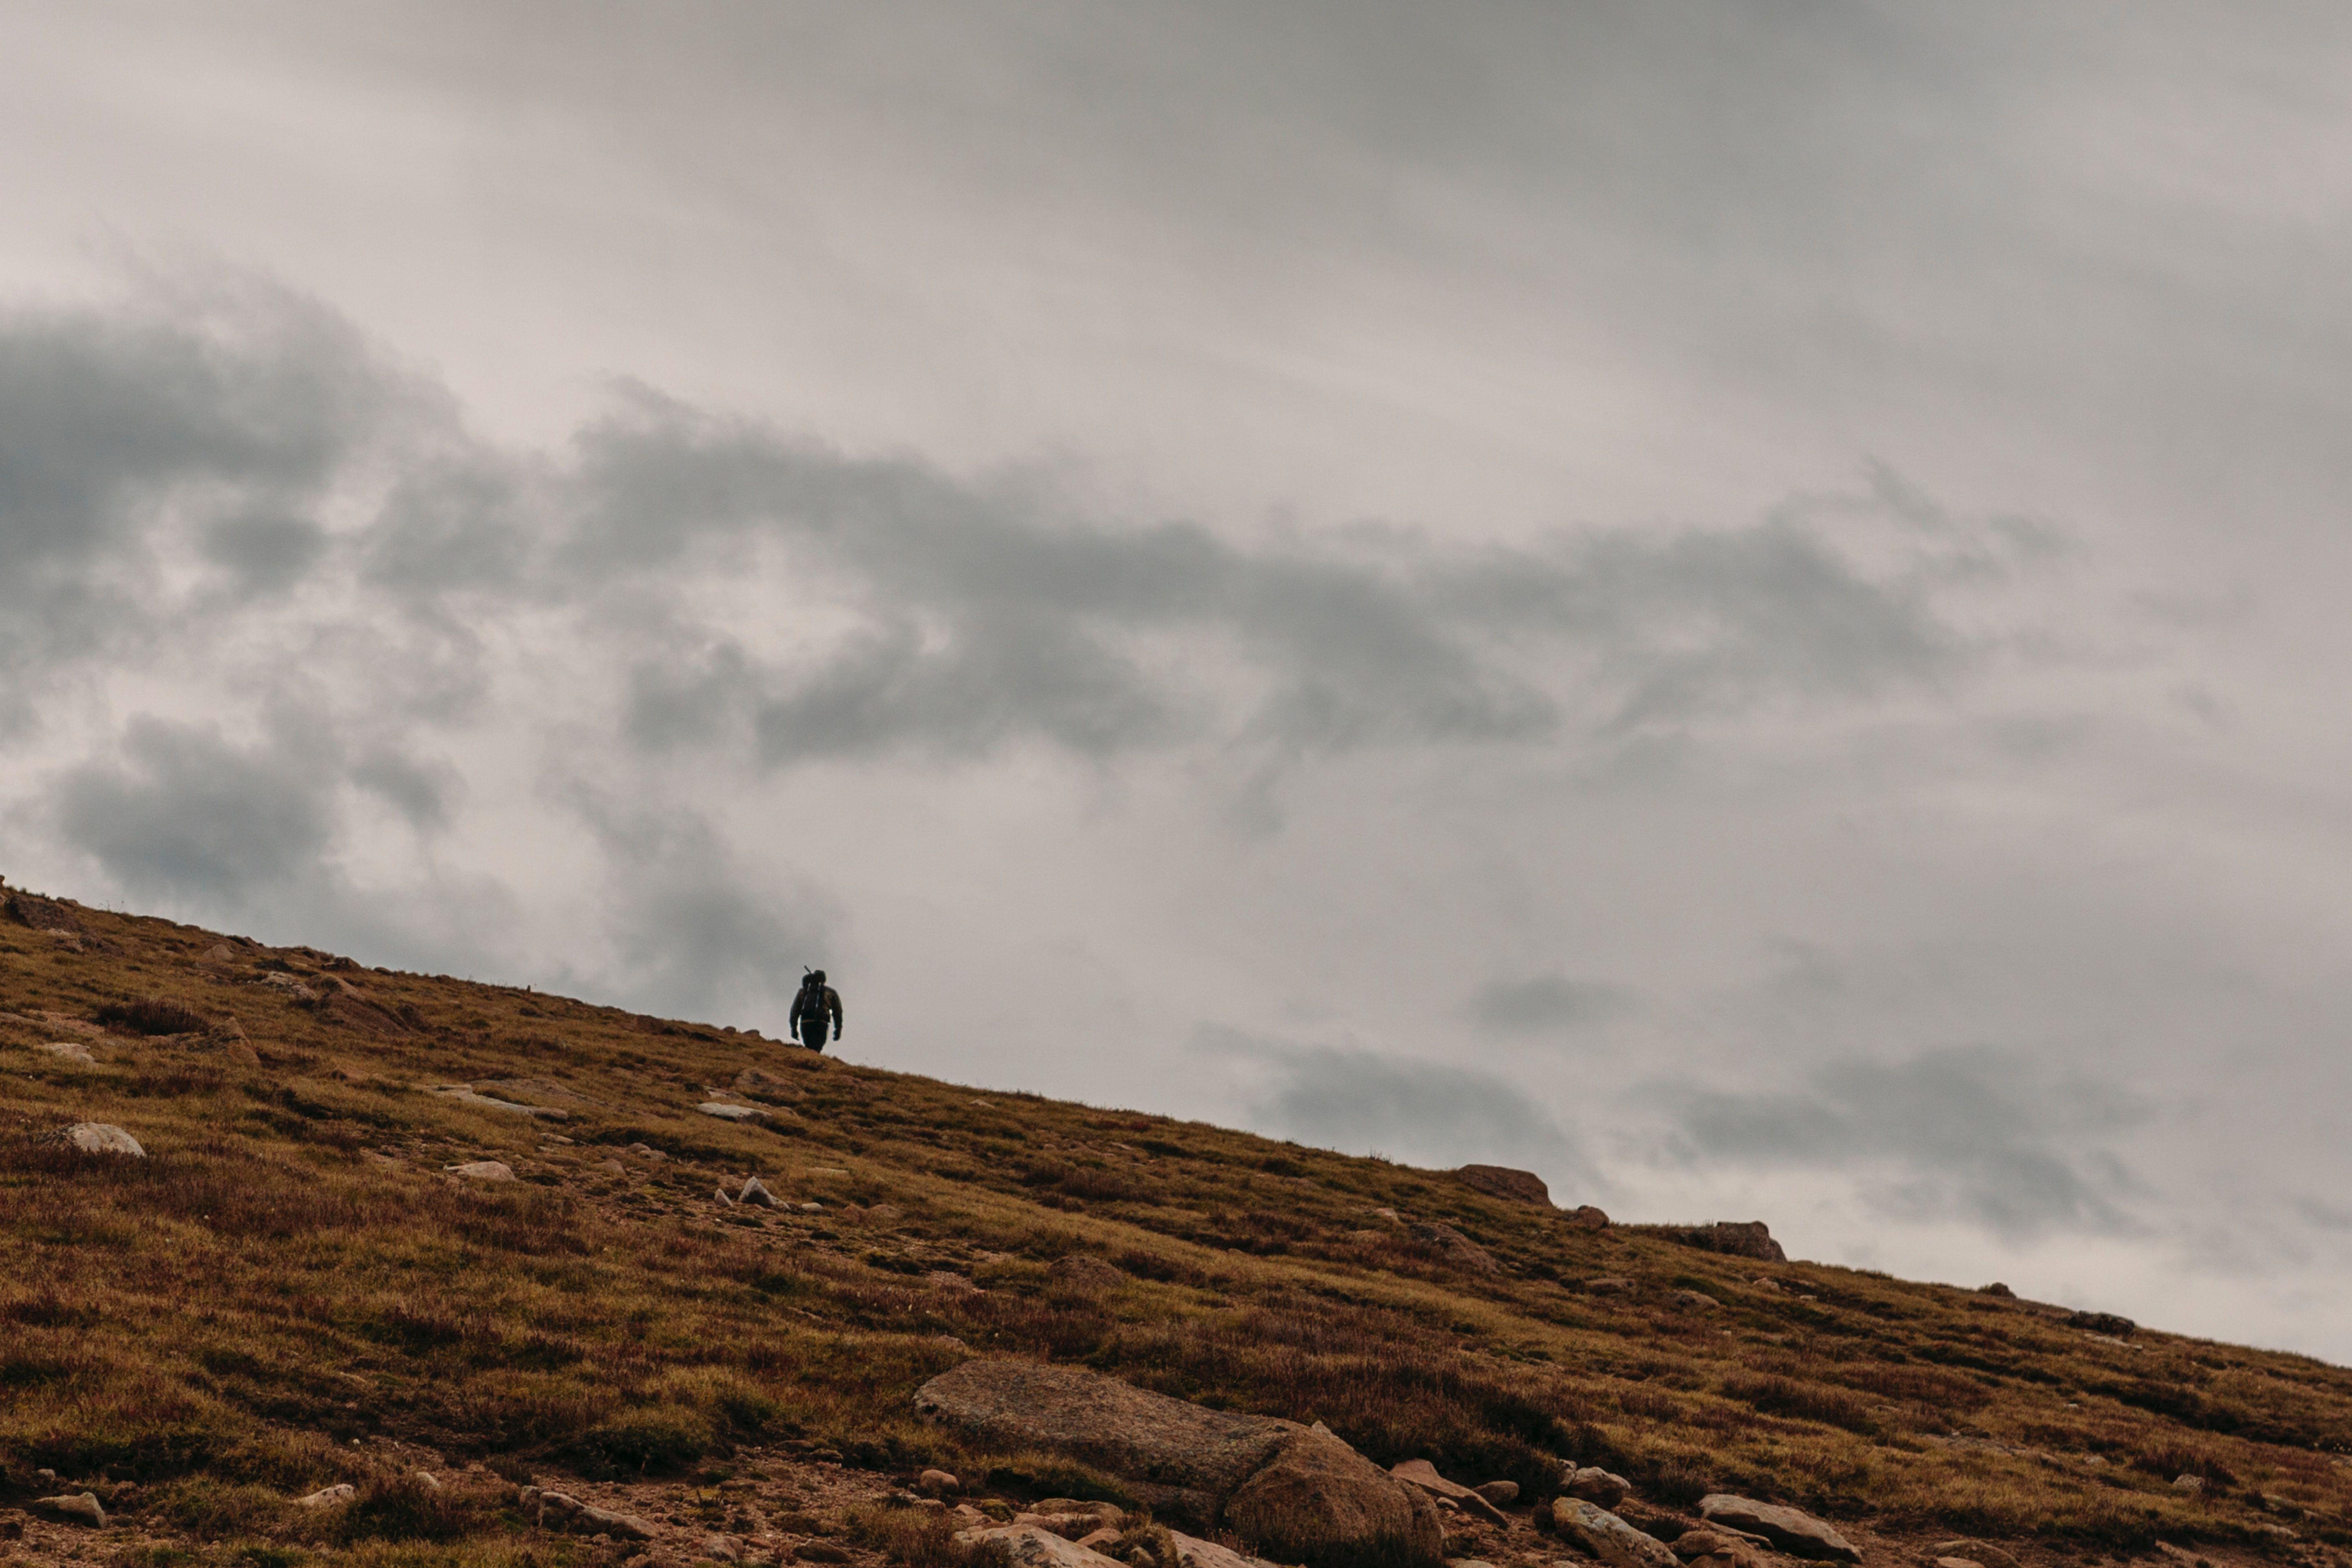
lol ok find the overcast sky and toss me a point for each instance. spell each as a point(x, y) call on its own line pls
point(1740, 605)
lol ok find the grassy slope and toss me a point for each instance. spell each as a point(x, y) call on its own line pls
point(196, 1319)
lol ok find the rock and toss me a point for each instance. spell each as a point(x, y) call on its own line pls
point(1502, 1494)
point(1086, 1274)
point(756, 1194)
point(428, 1479)
point(70, 1051)
point(562, 1510)
point(1609, 1285)
point(2111, 1324)
point(821, 1551)
point(1975, 1551)
point(1031, 1546)
point(1694, 1300)
point(464, 1094)
point(646, 1151)
point(1584, 1216)
point(104, 1138)
point(1292, 1494)
point(2187, 1482)
point(1594, 1485)
point(725, 1113)
point(722, 1548)
point(1455, 1248)
point(291, 986)
point(1423, 1474)
point(50, 915)
point(1794, 1532)
point(948, 1280)
point(327, 1496)
point(1191, 1552)
point(1751, 1239)
point(1957, 1563)
point(220, 952)
point(1700, 1542)
point(82, 1508)
point(532, 1090)
point(1996, 1288)
point(938, 1483)
point(1605, 1536)
point(1510, 1186)
point(483, 1171)
point(725, 1197)
point(609, 1168)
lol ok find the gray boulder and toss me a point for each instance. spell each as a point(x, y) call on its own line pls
point(1292, 1494)
point(1502, 1182)
point(484, 1171)
point(1456, 1248)
point(1595, 1485)
point(1601, 1535)
point(1793, 1530)
point(755, 1193)
point(327, 1496)
point(562, 1510)
point(104, 1138)
point(1750, 1238)
point(82, 1508)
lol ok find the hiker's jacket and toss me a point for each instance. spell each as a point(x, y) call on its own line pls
point(810, 1009)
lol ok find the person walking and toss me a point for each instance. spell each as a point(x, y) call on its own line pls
point(815, 1004)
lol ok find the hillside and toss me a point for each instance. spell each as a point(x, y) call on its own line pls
point(293, 1288)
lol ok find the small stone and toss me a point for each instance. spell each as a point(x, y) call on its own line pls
point(722, 1548)
point(1996, 1288)
point(1502, 1494)
point(1694, 1300)
point(70, 1052)
point(2185, 1483)
point(82, 1508)
point(1594, 1485)
point(755, 1193)
point(938, 1483)
point(1584, 1216)
point(483, 1171)
point(1602, 1534)
point(808, 1208)
point(1959, 1562)
point(1609, 1285)
point(612, 1168)
point(726, 1113)
point(1793, 1530)
point(341, 1491)
point(104, 1138)
point(1086, 1274)
point(724, 1197)
point(428, 1479)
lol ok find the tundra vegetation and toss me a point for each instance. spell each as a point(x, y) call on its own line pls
point(292, 1289)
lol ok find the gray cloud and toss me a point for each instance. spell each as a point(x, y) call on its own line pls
point(187, 815)
point(1976, 1134)
point(1544, 1003)
point(1421, 1113)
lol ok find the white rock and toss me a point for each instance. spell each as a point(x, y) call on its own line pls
point(104, 1138)
point(484, 1171)
point(726, 1113)
point(81, 1507)
point(1034, 1546)
point(325, 1497)
point(70, 1051)
point(755, 1193)
point(1194, 1552)
point(1603, 1535)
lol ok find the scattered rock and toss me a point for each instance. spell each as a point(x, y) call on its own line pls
point(104, 1138)
point(1502, 1494)
point(1455, 1248)
point(2111, 1324)
point(1602, 1534)
point(646, 1151)
point(1591, 1484)
point(327, 1496)
point(483, 1171)
point(428, 1479)
point(826, 1171)
point(220, 952)
point(1087, 1274)
point(609, 1168)
point(807, 1208)
point(291, 986)
point(1423, 1474)
point(722, 1548)
point(950, 1281)
point(1609, 1285)
point(938, 1483)
point(1975, 1551)
point(562, 1510)
point(1694, 1300)
point(1032, 1546)
point(1794, 1532)
point(532, 1090)
point(1700, 1542)
point(755, 1193)
point(464, 1094)
point(724, 1197)
point(1191, 1552)
point(2187, 1482)
point(753, 1114)
point(1996, 1288)
point(1584, 1216)
point(70, 1052)
point(82, 1508)
point(1748, 1239)
point(1293, 1494)
point(1502, 1182)
point(52, 915)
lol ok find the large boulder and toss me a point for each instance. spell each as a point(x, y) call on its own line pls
point(1750, 1238)
point(1510, 1186)
point(104, 1138)
point(1291, 1493)
point(1453, 1248)
point(1793, 1530)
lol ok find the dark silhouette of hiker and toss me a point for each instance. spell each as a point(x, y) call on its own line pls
point(815, 1003)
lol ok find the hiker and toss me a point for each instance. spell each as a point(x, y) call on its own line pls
point(816, 1002)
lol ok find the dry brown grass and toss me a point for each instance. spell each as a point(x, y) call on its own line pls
point(216, 1322)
